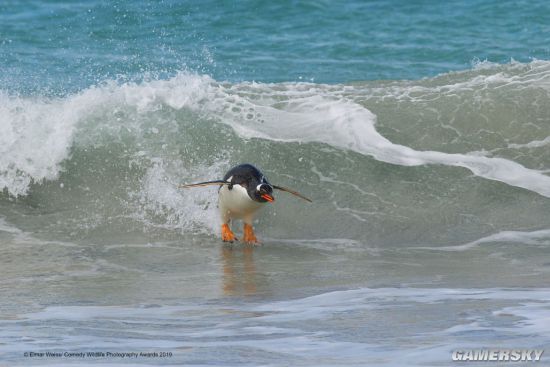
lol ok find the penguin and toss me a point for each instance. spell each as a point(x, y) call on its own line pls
point(242, 192)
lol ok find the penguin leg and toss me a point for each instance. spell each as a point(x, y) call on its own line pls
point(248, 231)
point(248, 235)
point(227, 235)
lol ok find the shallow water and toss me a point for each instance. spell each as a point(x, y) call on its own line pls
point(428, 171)
point(306, 302)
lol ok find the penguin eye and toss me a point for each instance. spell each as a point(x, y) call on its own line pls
point(264, 187)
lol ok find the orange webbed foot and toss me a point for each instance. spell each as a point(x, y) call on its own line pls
point(249, 236)
point(227, 235)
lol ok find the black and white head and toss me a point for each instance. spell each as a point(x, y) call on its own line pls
point(250, 178)
point(263, 192)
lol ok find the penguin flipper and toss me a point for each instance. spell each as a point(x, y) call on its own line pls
point(296, 193)
point(206, 183)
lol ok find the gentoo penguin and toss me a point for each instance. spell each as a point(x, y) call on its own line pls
point(243, 191)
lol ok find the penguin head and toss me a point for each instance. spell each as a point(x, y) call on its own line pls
point(251, 179)
point(262, 192)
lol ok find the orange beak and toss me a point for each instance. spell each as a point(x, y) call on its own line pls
point(268, 197)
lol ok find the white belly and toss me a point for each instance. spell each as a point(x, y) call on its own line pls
point(236, 203)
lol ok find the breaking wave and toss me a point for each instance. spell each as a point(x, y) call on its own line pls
point(373, 150)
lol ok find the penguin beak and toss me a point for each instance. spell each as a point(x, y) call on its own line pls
point(268, 197)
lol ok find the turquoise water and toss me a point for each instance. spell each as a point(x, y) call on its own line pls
point(67, 46)
point(420, 130)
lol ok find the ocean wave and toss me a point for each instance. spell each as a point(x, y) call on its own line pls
point(38, 133)
point(144, 138)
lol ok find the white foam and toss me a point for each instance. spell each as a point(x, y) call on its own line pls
point(523, 237)
point(532, 144)
point(362, 298)
point(182, 209)
point(36, 134)
point(329, 244)
point(35, 137)
point(535, 317)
